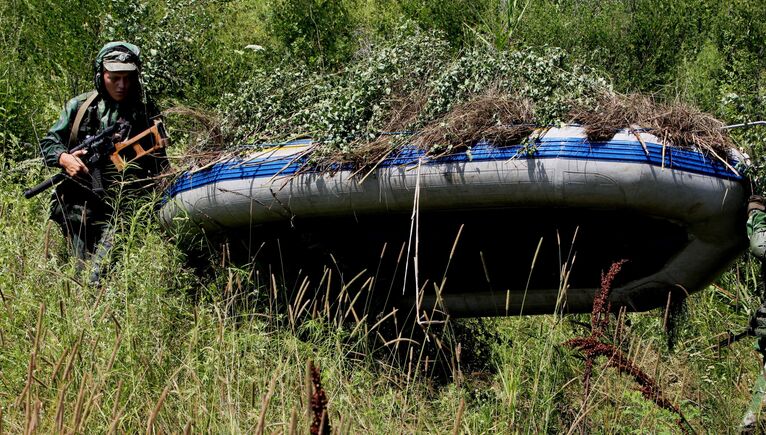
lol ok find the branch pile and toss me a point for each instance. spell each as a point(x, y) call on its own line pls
point(413, 89)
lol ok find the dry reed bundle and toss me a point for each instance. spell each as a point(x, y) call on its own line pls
point(675, 124)
point(404, 110)
point(363, 157)
point(207, 141)
point(611, 113)
point(682, 125)
point(496, 117)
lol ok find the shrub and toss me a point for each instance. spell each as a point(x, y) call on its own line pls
point(319, 32)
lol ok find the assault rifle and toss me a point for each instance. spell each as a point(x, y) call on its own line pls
point(108, 144)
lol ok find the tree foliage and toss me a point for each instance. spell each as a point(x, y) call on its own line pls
point(706, 52)
point(334, 70)
point(319, 32)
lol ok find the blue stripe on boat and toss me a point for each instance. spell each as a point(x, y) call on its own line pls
point(545, 148)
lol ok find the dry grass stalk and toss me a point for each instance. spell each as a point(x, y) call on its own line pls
point(72, 356)
point(365, 155)
point(47, 241)
point(213, 140)
point(79, 402)
point(405, 110)
point(60, 403)
point(34, 419)
point(26, 393)
point(266, 399)
point(493, 116)
point(115, 421)
point(92, 402)
point(113, 356)
point(116, 404)
point(116, 415)
point(293, 429)
point(308, 390)
point(156, 410)
point(458, 417)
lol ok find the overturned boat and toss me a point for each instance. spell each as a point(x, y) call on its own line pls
point(493, 230)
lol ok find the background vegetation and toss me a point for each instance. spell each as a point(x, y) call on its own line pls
point(160, 350)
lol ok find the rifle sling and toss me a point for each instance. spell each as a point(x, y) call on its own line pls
point(78, 119)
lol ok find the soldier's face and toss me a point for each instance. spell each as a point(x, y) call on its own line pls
point(119, 84)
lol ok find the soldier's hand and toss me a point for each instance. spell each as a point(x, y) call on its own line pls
point(72, 163)
point(755, 202)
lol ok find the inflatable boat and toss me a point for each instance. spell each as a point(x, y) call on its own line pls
point(527, 228)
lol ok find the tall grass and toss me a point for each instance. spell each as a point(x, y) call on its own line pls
point(158, 348)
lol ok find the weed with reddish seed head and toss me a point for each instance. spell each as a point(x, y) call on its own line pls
point(593, 347)
point(321, 422)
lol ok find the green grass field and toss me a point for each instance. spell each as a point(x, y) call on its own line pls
point(161, 348)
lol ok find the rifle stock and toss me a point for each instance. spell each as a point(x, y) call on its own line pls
point(158, 138)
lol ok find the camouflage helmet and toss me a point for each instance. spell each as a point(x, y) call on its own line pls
point(116, 56)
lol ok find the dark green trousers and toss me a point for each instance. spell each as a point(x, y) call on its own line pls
point(85, 222)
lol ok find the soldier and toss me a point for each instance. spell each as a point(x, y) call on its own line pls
point(756, 232)
point(82, 214)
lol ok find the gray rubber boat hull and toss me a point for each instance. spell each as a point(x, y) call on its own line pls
point(557, 170)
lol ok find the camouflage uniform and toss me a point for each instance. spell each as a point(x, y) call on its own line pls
point(756, 232)
point(82, 215)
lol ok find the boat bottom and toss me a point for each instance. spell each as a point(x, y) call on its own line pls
point(466, 263)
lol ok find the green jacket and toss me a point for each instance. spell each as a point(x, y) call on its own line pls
point(756, 232)
point(103, 112)
point(73, 204)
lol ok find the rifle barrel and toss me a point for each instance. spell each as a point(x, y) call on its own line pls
point(45, 185)
point(733, 338)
